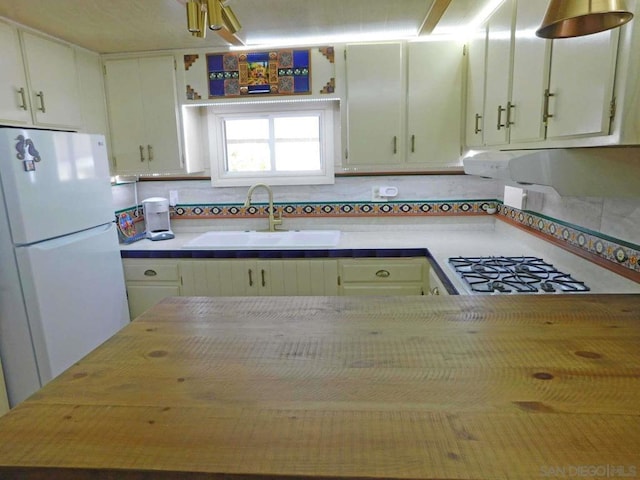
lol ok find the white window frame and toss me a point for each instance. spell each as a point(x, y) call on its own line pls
point(329, 114)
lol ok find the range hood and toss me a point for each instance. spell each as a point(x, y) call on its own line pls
point(581, 172)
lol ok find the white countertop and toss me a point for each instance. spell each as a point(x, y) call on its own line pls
point(444, 238)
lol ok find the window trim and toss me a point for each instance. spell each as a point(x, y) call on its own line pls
point(329, 113)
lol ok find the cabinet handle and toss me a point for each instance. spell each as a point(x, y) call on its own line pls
point(150, 152)
point(546, 115)
point(264, 283)
point(40, 95)
point(141, 153)
point(477, 128)
point(23, 98)
point(510, 107)
point(383, 273)
point(395, 144)
point(500, 110)
point(413, 143)
point(250, 278)
point(150, 273)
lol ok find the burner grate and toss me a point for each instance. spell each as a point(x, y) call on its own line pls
point(523, 274)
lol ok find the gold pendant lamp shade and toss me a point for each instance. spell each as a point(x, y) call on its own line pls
point(210, 13)
point(574, 18)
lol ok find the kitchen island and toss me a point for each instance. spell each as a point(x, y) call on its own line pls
point(460, 387)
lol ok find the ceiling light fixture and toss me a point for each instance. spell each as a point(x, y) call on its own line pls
point(574, 18)
point(212, 14)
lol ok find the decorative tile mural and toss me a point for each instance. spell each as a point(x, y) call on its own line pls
point(276, 72)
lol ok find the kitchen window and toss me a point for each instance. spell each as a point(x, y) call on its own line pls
point(291, 143)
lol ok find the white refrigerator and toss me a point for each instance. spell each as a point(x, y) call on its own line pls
point(62, 289)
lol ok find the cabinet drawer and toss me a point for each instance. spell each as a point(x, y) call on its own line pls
point(151, 272)
point(382, 271)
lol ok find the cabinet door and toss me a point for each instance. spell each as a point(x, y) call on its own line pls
point(4, 401)
point(143, 115)
point(124, 94)
point(143, 297)
point(434, 103)
point(158, 83)
point(220, 278)
point(53, 81)
point(299, 277)
point(530, 75)
point(14, 97)
point(581, 82)
point(375, 97)
point(476, 55)
point(498, 74)
point(92, 94)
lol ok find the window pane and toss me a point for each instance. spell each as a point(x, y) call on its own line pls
point(248, 157)
point(297, 127)
point(297, 156)
point(247, 129)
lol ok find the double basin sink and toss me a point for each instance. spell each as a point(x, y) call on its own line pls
point(251, 239)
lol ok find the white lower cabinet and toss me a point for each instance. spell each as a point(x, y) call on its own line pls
point(436, 286)
point(4, 401)
point(253, 277)
point(384, 276)
point(149, 281)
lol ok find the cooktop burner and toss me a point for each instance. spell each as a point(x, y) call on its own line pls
point(514, 275)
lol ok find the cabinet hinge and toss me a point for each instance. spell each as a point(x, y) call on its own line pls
point(612, 108)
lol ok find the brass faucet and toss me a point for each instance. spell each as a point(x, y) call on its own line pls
point(273, 221)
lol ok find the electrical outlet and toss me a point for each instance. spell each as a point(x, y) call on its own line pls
point(173, 198)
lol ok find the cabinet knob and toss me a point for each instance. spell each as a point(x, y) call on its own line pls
point(383, 273)
point(150, 273)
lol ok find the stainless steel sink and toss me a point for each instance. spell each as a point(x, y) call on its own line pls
point(247, 240)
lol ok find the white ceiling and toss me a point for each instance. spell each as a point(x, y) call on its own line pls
point(111, 26)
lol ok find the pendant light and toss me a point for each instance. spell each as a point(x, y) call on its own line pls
point(574, 18)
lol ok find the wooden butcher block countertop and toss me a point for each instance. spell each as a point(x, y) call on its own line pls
point(468, 387)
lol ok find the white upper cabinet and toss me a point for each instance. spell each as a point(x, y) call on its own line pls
point(539, 93)
point(375, 104)
point(143, 115)
point(434, 103)
point(403, 105)
point(14, 97)
point(497, 108)
point(581, 85)
point(92, 94)
point(53, 82)
point(476, 55)
point(38, 85)
point(529, 75)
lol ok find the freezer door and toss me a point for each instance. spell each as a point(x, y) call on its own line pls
point(74, 294)
point(55, 183)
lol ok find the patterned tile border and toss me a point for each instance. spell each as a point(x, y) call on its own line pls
point(617, 255)
point(334, 209)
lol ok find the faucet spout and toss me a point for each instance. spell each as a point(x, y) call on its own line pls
point(273, 220)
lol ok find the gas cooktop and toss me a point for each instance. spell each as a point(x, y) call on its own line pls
point(514, 275)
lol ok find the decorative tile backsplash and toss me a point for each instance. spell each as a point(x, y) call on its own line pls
point(592, 244)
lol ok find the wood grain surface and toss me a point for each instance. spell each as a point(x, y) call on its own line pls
point(460, 387)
